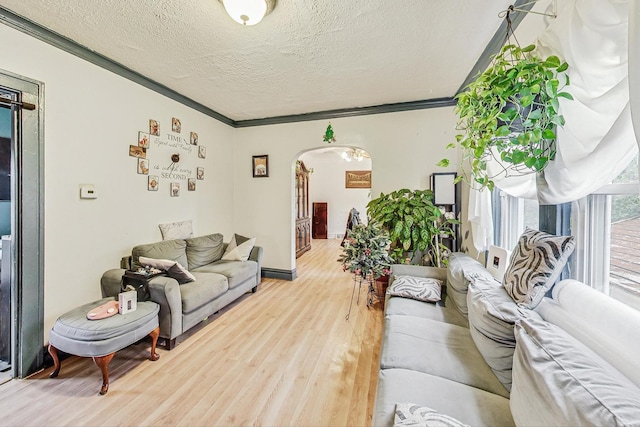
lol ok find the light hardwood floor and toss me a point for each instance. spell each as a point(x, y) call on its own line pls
point(284, 356)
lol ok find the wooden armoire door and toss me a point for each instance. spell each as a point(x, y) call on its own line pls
point(319, 225)
point(303, 220)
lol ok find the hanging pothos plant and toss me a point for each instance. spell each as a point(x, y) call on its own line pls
point(509, 114)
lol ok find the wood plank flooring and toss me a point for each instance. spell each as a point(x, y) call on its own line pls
point(284, 356)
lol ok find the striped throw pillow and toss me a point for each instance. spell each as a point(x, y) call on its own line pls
point(409, 414)
point(536, 263)
point(418, 288)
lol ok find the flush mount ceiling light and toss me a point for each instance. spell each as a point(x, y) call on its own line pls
point(248, 12)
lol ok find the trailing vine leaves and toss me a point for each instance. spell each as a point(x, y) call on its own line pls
point(510, 113)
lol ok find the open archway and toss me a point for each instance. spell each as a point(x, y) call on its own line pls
point(326, 189)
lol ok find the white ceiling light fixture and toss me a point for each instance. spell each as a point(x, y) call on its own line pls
point(354, 154)
point(248, 12)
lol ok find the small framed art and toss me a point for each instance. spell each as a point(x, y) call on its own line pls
point(143, 139)
point(202, 152)
point(357, 179)
point(176, 126)
point(200, 173)
point(191, 184)
point(143, 166)
point(260, 166)
point(175, 189)
point(153, 183)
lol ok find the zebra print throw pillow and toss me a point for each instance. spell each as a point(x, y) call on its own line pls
point(408, 414)
point(536, 263)
point(418, 288)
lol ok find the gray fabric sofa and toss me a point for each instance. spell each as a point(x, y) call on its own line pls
point(570, 361)
point(182, 306)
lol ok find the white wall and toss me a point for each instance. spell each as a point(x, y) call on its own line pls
point(327, 184)
point(404, 149)
point(91, 118)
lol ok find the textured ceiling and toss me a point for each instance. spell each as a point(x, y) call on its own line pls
point(306, 56)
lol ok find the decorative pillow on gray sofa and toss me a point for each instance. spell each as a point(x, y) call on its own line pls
point(239, 248)
point(557, 380)
point(460, 270)
point(536, 263)
point(204, 250)
point(409, 414)
point(419, 288)
point(492, 316)
point(173, 269)
point(176, 230)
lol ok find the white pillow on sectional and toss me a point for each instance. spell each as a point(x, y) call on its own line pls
point(412, 415)
point(176, 230)
point(557, 380)
point(418, 288)
point(239, 248)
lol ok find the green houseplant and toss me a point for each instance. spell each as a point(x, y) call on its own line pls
point(365, 253)
point(415, 225)
point(509, 113)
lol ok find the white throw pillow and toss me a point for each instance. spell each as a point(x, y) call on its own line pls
point(239, 248)
point(418, 288)
point(176, 230)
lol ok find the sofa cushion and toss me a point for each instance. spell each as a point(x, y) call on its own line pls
point(557, 380)
point(460, 269)
point(412, 415)
point(468, 404)
point(174, 250)
point(535, 264)
point(206, 288)
point(176, 230)
point(204, 250)
point(236, 272)
point(436, 348)
point(418, 288)
point(440, 312)
point(239, 248)
point(492, 315)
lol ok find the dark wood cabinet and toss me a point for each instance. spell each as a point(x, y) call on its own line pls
point(319, 229)
point(303, 220)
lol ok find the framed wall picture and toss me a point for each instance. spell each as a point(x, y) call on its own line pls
point(444, 188)
point(260, 166)
point(357, 179)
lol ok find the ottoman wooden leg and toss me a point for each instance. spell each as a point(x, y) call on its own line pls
point(154, 340)
point(56, 361)
point(103, 364)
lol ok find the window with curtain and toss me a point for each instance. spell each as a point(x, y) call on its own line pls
point(607, 227)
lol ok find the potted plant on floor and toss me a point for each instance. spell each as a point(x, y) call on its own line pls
point(365, 253)
point(509, 115)
point(416, 226)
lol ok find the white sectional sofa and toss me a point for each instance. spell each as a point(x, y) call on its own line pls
point(572, 360)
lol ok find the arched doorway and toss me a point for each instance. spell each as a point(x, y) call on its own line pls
point(328, 192)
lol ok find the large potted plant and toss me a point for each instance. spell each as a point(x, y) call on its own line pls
point(365, 253)
point(510, 113)
point(415, 225)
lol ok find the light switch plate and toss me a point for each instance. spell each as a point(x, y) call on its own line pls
point(88, 191)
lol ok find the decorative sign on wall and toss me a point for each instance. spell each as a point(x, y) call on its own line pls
point(357, 179)
point(169, 157)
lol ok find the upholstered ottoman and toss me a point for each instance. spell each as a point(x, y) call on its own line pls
point(73, 333)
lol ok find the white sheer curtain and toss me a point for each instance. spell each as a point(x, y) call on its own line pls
point(634, 65)
point(598, 141)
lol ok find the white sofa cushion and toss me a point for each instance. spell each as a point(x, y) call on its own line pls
point(460, 270)
point(470, 405)
point(557, 380)
point(492, 315)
